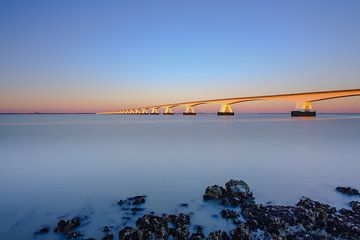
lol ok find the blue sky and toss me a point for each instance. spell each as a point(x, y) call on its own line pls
point(98, 55)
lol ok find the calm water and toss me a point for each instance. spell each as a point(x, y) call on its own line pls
point(64, 165)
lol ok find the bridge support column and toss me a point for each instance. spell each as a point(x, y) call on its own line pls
point(154, 111)
point(168, 111)
point(144, 111)
point(189, 111)
point(303, 109)
point(225, 110)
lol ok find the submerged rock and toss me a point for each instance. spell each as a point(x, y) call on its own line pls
point(136, 200)
point(199, 234)
point(66, 226)
point(108, 237)
point(42, 230)
point(348, 191)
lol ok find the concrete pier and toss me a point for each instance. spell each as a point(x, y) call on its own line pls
point(225, 113)
point(303, 113)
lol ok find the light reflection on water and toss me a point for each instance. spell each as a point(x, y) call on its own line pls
point(58, 165)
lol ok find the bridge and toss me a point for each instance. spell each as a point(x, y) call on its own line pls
point(303, 103)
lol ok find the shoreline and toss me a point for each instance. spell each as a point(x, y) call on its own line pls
point(308, 219)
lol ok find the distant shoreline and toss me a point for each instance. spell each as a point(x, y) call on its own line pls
point(39, 113)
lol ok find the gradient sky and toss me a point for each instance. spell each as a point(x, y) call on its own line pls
point(86, 56)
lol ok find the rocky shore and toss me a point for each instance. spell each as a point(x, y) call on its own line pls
point(308, 219)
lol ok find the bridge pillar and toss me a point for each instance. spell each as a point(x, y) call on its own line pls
point(303, 109)
point(168, 111)
point(225, 110)
point(154, 111)
point(189, 111)
point(144, 111)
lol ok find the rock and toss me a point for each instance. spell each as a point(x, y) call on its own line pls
point(218, 235)
point(238, 192)
point(184, 205)
point(136, 200)
point(227, 213)
point(214, 192)
point(129, 233)
point(355, 206)
point(108, 237)
point(348, 191)
point(153, 227)
point(42, 230)
point(137, 209)
point(66, 226)
point(199, 234)
point(106, 229)
point(241, 232)
point(72, 234)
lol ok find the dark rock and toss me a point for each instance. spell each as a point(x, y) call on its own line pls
point(66, 226)
point(238, 192)
point(348, 191)
point(227, 213)
point(108, 237)
point(214, 192)
point(136, 209)
point(241, 232)
point(199, 234)
point(153, 227)
point(72, 234)
point(355, 206)
point(129, 233)
point(137, 200)
point(106, 229)
point(218, 235)
point(43, 230)
point(184, 205)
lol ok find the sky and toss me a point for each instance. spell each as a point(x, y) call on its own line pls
point(89, 56)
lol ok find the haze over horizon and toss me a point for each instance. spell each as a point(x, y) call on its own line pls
point(90, 56)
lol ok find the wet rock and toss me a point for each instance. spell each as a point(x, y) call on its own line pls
point(214, 192)
point(348, 191)
point(238, 192)
point(66, 227)
point(129, 233)
point(241, 232)
point(199, 234)
point(136, 200)
point(106, 229)
point(218, 235)
point(108, 237)
point(137, 209)
point(355, 206)
point(153, 227)
point(72, 234)
point(184, 205)
point(227, 213)
point(42, 230)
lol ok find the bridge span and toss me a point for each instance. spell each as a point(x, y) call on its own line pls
point(303, 103)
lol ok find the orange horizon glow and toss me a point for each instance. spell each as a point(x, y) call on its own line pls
point(341, 105)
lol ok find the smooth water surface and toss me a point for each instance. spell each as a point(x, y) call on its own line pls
point(53, 166)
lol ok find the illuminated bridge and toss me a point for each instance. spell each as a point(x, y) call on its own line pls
point(303, 103)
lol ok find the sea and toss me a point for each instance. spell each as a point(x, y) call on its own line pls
point(57, 166)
